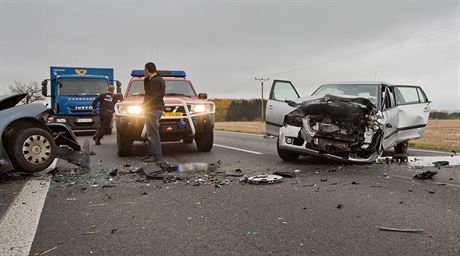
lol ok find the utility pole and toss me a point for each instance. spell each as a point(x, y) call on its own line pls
point(262, 80)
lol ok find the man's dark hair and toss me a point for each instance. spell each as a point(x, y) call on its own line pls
point(151, 67)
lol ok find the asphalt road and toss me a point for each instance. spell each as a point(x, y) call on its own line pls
point(328, 209)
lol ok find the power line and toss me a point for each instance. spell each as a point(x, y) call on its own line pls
point(420, 37)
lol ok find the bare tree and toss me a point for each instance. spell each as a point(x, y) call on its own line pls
point(31, 88)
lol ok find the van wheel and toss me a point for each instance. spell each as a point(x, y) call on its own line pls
point(32, 150)
point(402, 147)
point(286, 155)
point(204, 141)
point(124, 145)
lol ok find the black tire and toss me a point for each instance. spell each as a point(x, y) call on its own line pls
point(124, 145)
point(204, 141)
point(286, 155)
point(31, 149)
point(188, 140)
point(402, 147)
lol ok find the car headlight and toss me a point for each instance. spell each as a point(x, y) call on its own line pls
point(135, 110)
point(201, 108)
point(127, 109)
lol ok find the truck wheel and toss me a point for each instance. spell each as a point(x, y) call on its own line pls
point(188, 140)
point(402, 147)
point(32, 150)
point(124, 145)
point(286, 155)
point(204, 141)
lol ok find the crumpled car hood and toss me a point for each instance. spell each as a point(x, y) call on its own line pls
point(341, 126)
point(9, 101)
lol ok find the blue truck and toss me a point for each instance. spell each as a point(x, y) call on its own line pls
point(72, 91)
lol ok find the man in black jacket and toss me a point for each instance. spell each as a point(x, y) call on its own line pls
point(154, 87)
point(106, 108)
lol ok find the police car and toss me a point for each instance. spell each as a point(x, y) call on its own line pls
point(188, 116)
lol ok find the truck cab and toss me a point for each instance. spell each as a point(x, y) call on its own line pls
point(72, 91)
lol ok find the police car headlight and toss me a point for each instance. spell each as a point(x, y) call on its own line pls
point(201, 108)
point(134, 110)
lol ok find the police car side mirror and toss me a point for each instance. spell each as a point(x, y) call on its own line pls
point(203, 96)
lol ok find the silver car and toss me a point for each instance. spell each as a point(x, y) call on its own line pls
point(28, 143)
point(347, 121)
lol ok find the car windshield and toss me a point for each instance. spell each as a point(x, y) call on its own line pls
point(82, 86)
point(367, 91)
point(173, 88)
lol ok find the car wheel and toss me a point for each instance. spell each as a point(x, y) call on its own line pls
point(402, 147)
point(286, 155)
point(204, 141)
point(124, 145)
point(188, 140)
point(32, 150)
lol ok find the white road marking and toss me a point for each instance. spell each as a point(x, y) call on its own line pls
point(19, 223)
point(239, 149)
point(241, 133)
point(431, 151)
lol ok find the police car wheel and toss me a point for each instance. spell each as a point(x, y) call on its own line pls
point(204, 141)
point(124, 145)
point(286, 155)
point(32, 150)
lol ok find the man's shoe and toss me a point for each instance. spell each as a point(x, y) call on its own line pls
point(151, 160)
point(98, 141)
point(146, 157)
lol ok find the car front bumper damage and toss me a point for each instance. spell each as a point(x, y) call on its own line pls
point(339, 128)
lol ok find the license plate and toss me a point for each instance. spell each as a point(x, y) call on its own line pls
point(84, 120)
point(173, 114)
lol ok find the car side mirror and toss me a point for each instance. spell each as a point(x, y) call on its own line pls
point(203, 96)
point(118, 84)
point(45, 88)
point(118, 97)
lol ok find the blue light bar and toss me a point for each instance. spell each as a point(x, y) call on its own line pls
point(137, 73)
point(167, 73)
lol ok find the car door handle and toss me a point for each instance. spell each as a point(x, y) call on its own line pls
point(426, 109)
point(270, 106)
point(389, 126)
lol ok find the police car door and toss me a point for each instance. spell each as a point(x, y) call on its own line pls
point(277, 106)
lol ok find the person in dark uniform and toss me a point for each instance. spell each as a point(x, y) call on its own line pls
point(153, 105)
point(106, 108)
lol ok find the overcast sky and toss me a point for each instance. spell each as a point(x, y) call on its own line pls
point(223, 45)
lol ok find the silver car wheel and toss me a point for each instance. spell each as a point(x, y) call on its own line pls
point(36, 149)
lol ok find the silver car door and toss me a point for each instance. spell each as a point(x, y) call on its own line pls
point(277, 106)
point(390, 117)
point(413, 112)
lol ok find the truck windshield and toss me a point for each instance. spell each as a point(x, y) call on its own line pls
point(367, 91)
point(173, 88)
point(82, 86)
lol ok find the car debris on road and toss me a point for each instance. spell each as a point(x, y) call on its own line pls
point(425, 175)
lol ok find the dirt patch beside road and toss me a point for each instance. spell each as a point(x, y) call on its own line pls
point(440, 134)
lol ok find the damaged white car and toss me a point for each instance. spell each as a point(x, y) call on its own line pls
point(350, 121)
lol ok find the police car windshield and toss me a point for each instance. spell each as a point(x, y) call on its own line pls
point(81, 86)
point(173, 88)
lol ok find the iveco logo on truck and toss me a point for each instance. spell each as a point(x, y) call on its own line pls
point(83, 108)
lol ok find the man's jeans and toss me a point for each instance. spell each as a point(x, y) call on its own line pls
point(104, 125)
point(152, 123)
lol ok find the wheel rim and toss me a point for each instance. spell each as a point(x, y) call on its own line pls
point(36, 149)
